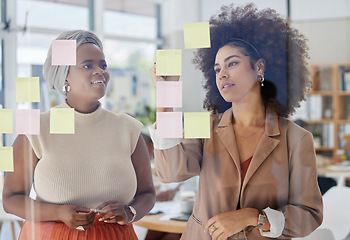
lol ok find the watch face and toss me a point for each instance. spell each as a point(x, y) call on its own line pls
point(261, 219)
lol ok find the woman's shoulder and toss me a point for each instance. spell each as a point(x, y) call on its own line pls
point(292, 129)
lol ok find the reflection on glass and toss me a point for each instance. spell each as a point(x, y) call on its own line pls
point(130, 88)
point(53, 15)
point(129, 25)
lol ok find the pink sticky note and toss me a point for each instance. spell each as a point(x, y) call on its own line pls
point(28, 121)
point(63, 52)
point(169, 125)
point(169, 94)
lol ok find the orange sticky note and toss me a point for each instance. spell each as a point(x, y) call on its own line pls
point(62, 121)
point(27, 89)
point(197, 125)
point(63, 52)
point(6, 121)
point(6, 159)
point(197, 35)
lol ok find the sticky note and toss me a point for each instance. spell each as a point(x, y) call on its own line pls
point(27, 89)
point(197, 125)
point(62, 121)
point(169, 94)
point(197, 35)
point(6, 159)
point(63, 52)
point(6, 121)
point(169, 125)
point(168, 62)
point(28, 121)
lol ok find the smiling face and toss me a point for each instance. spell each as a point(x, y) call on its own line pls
point(88, 79)
point(235, 77)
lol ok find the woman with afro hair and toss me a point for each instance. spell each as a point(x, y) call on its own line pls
point(257, 171)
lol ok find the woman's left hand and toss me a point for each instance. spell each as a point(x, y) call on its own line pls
point(113, 212)
point(226, 224)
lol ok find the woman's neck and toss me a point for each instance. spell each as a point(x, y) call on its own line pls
point(250, 113)
point(83, 106)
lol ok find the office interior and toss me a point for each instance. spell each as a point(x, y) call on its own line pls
point(132, 31)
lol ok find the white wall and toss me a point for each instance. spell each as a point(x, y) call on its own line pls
point(174, 14)
point(329, 41)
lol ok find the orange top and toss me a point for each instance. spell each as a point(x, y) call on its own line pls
point(244, 167)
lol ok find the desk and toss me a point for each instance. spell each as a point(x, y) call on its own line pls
point(336, 172)
point(152, 222)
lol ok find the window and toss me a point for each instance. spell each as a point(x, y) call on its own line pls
point(62, 14)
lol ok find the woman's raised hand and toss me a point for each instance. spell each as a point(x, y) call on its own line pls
point(75, 216)
point(156, 78)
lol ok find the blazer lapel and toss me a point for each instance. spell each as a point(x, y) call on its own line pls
point(266, 145)
point(226, 135)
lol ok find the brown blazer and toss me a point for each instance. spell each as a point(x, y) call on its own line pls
point(282, 175)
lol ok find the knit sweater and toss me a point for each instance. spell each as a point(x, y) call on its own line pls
point(89, 167)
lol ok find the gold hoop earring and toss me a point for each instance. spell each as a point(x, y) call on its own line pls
point(262, 79)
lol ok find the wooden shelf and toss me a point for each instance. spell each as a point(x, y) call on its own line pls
point(327, 80)
point(323, 149)
point(321, 121)
point(322, 93)
point(343, 93)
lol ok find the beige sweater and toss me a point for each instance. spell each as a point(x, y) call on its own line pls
point(91, 166)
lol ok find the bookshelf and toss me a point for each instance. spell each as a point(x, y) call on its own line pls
point(328, 106)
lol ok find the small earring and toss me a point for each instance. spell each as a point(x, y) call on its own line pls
point(262, 79)
point(66, 88)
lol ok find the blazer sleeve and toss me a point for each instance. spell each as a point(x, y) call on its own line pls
point(304, 211)
point(180, 162)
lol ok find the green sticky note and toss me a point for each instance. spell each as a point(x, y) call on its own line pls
point(27, 89)
point(197, 125)
point(197, 35)
point(168, 62)
point(62, 121)
point(6, 121)
point(6, 159)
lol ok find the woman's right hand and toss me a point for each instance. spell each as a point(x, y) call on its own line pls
point(75, 216)
point(156, 78)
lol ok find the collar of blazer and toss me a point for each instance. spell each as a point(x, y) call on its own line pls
point(271, 122)
point(266, 145)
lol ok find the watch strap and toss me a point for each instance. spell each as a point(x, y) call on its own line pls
point(261, 219)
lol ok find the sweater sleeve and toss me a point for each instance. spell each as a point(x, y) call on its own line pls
point(133, 127)
point(176, 160)
point(36, 146)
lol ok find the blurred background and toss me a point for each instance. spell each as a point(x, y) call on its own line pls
point(132, 30)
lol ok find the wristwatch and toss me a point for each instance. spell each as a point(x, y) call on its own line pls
point(261, 219)
point(132, 211)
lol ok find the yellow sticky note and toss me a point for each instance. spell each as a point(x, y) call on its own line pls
point(197, 35)
point(168, 62)
point(62, 121)
point(6, 159)
point(6, 121)
point(197, 125)
point(27, 89)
